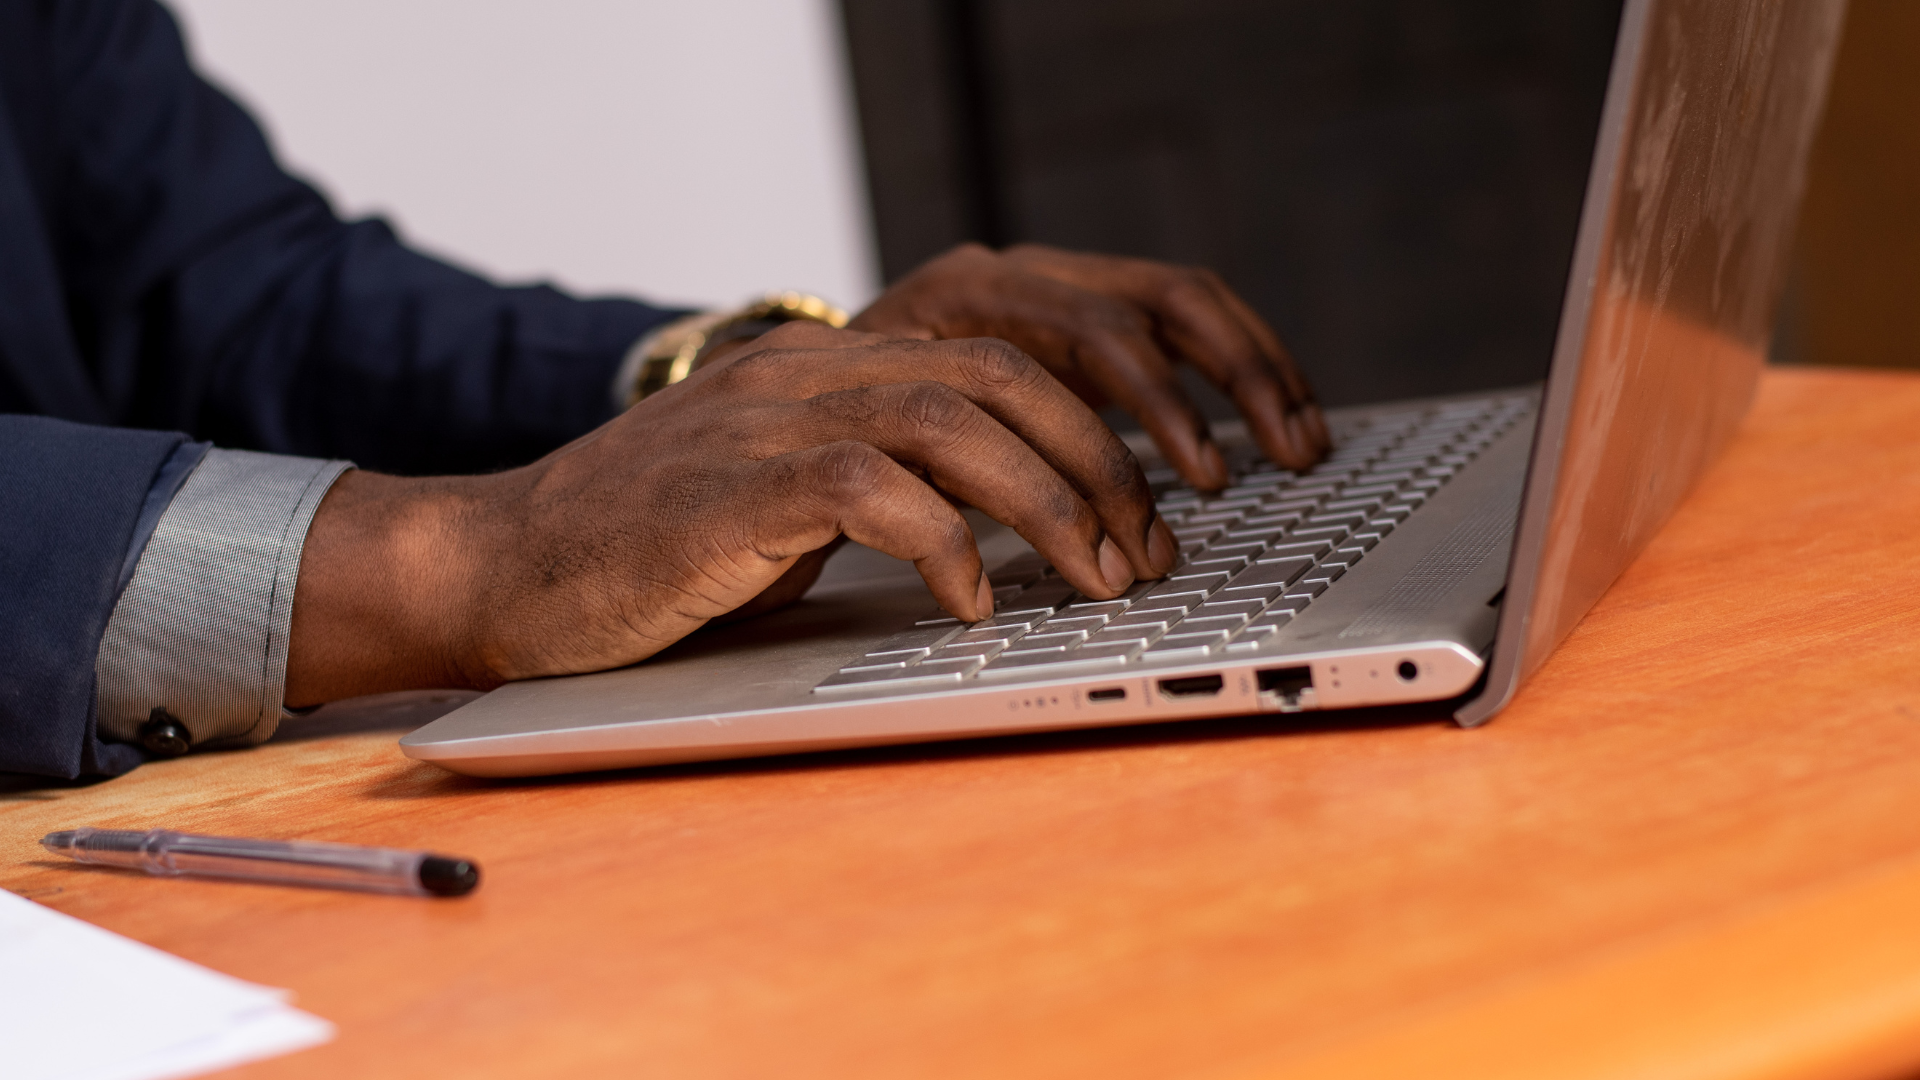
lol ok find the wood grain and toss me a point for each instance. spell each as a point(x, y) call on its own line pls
point(1690, 849)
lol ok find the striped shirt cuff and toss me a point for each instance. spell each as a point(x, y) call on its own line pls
point(201, 629)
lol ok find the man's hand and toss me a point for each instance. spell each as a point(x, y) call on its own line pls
point(1112, 329)
point(704, 497)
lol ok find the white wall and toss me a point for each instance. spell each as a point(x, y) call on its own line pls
point(702, 151)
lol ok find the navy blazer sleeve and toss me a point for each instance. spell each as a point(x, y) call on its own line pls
point(207, 291)
point(70, 496)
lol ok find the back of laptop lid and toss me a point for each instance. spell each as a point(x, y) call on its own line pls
point(1711, 111)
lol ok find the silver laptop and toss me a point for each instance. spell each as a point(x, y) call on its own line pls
point(1440, 553)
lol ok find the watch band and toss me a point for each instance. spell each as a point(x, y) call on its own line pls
point(675, 351)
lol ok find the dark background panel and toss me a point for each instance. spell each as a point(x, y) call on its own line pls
point(1393, 183)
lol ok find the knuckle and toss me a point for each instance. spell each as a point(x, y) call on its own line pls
point(1114, 318)
point(931, 407)
point(793, 334)
point(997, 364)
point(850, 471)
point(753, 369)
point(1122, 472)
point(1188, 286)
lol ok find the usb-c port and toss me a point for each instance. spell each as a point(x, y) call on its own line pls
point(1108, 693)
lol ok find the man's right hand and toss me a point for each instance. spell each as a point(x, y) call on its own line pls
point(704, 496)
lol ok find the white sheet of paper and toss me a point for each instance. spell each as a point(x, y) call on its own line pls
point(80, 1003)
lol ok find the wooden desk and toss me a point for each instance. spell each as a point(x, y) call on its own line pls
point(1690, 849)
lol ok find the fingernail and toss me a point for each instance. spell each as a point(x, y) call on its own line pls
point(1317, 424)
point(1298, 440)
point(1213, 463)
point(1162, 551)
point(983, 600)
point(1113, 566)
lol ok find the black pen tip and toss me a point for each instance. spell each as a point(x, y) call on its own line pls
point(442, 875)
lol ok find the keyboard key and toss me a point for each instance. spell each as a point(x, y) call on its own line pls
point(1176, 597)
point(1201, 581)
point(1344, 506)
point(1142, 634)
point(1230, 606)
point(1306, 590)
point(1198, 623)
point(1252, 594)
point(1229, 547)
point(1349, 518)
point(1268, 523)
point(1070, 620)
point(1279, 572)
point(861, 680)
point(1255, 536)
point(1043, 640)
point(1185, 533)
point(922, 676)
point(960, 650)
point(1106, 609)
point(990, 633)
point(1295, 548)
point(1011, 620)
point(1332, 534)
point(1325, 572)
point(893, 656)
point(1186, 646)
point(1022, 666)
point(1125, 650)
point(1212, 561)
point(1162, 618)
point(922, 637)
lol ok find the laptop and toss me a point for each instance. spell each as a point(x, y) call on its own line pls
point(1440, 553)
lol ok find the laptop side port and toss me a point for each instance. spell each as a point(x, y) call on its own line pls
point(1191, 686)
point(1108, 693)
point(1290, 688)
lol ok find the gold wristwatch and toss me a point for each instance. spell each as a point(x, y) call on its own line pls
point(676, 350)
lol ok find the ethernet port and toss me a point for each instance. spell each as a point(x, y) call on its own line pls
point(1285, 684)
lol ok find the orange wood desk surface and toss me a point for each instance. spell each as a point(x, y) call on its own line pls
point(1690, 849)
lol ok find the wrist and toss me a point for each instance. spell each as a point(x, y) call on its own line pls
point(383, 600)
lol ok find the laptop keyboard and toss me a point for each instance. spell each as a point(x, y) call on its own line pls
point(1253, 556)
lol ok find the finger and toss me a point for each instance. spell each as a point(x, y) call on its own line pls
point(972, 291)
point(967, 453)
point(1282, 357)
point(1111, 344)
point(1193, 312)
point(809, 497)
point(1013, 390)
point(1205, 324)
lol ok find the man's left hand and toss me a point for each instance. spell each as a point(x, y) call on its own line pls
point(1112, 329)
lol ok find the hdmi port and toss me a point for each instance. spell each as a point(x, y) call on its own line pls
point(1192, 686)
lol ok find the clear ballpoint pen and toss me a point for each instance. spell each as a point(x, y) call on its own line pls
point(286, 862)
